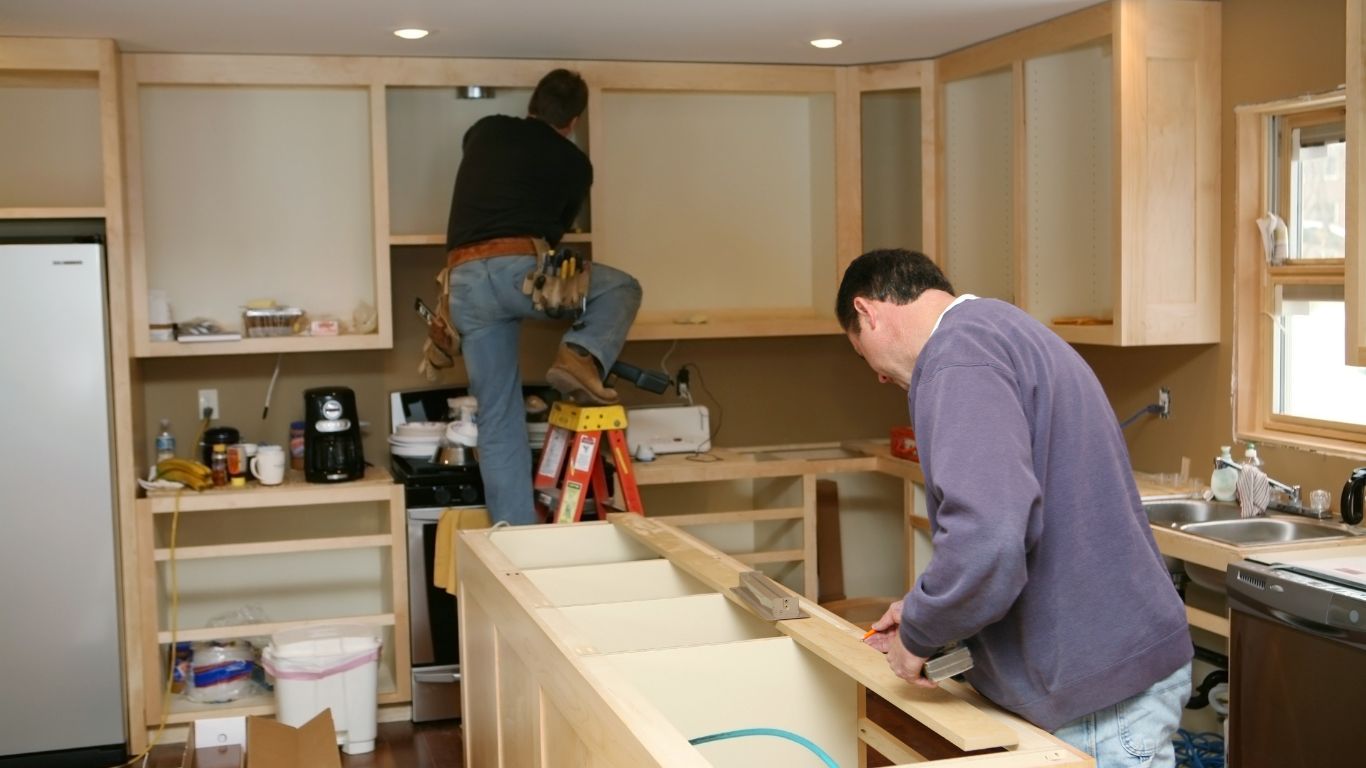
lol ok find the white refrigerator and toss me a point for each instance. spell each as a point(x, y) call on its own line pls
point(60, 661)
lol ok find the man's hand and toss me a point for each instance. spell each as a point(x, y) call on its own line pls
point(904, 664)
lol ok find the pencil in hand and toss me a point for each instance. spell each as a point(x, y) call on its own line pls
point(869, 633)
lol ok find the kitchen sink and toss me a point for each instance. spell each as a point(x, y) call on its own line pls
point(1263, 530)
point(1183, 512)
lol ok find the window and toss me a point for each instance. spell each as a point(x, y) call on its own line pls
point(1292, 385)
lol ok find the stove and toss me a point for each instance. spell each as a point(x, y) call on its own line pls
point(427, 484)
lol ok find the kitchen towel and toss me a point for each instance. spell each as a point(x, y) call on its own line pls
point(451, 523)
point(1254, 491)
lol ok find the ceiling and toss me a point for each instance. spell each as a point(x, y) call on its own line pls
point(754, 31)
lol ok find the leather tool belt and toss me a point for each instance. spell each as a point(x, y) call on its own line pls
point(498, 246)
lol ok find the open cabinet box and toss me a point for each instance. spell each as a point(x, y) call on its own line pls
point(614, 644)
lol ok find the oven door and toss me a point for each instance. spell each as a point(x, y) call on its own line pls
point(1297, 684)
point(434, 633)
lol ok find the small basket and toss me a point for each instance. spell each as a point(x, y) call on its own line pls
point(276, 321)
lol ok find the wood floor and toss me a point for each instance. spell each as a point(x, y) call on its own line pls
point(400, 745)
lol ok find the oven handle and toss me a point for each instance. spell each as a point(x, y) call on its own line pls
point(436, 677)
point(1307, 625)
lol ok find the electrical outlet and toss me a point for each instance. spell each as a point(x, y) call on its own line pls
point(208, 401)
point(1164, 400)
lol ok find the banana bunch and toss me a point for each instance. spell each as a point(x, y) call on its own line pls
point(187, 472)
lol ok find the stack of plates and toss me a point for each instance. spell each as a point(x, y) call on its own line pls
point(417, 439)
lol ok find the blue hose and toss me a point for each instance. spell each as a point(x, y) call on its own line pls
point(789, 735)
point(1198, 750)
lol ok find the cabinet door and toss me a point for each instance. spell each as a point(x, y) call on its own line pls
point(979, 193)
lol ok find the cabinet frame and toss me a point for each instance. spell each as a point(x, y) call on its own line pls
point(1159, 295)
point(150, 638)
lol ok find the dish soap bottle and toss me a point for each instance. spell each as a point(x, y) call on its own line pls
point(1223, 481)
point(165, 441)
point(1250, 457)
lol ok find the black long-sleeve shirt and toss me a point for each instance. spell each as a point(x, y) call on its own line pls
point(519, 176)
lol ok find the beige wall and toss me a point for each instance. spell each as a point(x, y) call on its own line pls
point(1272, 49)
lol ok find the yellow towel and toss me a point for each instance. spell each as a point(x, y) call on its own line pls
point(451, 523)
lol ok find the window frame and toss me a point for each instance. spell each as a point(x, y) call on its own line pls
point(1255, 282)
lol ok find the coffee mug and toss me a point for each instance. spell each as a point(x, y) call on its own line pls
point(268, 465)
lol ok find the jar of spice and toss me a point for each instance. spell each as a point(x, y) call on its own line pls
point(296, 445)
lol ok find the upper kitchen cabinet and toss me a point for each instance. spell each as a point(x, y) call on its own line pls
point(1080, 172)
point(59, 138)
point(715, 187)
point(253, 178)
point(892, 107)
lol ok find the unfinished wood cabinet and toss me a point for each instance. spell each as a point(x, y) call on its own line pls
point(254, 178)
point(1080, 172)
point(616, 644)
point(301, 554)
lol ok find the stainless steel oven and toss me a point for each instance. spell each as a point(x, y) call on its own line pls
point(433, 629)
point(1297, 664)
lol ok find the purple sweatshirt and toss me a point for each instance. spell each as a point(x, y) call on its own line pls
point(1043, 560)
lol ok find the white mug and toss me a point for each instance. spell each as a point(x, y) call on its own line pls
point(268, 465)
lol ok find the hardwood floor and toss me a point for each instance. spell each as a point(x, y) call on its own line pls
point(400, 745)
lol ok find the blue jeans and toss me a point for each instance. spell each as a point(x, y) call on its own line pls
point(487, 307)
point(1136, 731)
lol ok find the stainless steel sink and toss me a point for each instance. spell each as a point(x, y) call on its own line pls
point(1222, 521)
point(1262, 530)
point(1183, 512)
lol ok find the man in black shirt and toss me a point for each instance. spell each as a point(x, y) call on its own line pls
point(519, 187)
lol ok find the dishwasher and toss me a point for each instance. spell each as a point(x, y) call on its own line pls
point(1297, 661)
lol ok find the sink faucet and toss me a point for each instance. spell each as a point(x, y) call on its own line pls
point(1292, 492)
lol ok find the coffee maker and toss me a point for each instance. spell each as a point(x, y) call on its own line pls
point(332, 446)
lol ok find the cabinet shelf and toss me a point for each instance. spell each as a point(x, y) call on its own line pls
point(263, 345)
point(717, 324)
point(270, 628)
point(330, 544)
point(377, 485)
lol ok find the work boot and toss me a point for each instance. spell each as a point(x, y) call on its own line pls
point(576, 376)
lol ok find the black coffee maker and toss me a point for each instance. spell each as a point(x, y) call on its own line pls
point(332, 446)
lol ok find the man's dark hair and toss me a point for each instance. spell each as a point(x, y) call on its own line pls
point(894, 275)
point(560, 97)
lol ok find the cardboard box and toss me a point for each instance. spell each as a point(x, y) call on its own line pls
point(260, 742)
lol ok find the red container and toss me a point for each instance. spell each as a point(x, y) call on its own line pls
point(903, 444)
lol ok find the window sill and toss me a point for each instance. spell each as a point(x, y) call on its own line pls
point(1326, 446)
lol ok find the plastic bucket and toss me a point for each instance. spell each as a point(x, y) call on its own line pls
point(328, 667)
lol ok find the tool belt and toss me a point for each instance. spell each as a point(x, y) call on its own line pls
point(498, 246)
point(558, 286)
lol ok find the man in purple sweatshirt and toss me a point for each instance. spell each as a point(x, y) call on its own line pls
point(1044, 564)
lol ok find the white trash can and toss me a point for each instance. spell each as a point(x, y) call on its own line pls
point(322, 667)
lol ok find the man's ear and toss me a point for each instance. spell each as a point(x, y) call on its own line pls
point(867, 313)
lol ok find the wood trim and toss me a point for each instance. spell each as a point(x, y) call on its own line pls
point(1051, 36)
point(54, 212)
point(886, 744)
point(259, 346)
point(722, 324)
point(1355, 276)
point(809, 555)
point(892, 76)
point(398, 599)
point(379, 187)
point(377, 485)
point(1019, 166)
point(930, 160)
point(848, 170)
point(1248, 200)
point(1210, 622)
point(771, 556)
point(53, 53)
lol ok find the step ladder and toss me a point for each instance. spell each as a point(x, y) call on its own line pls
point(575, 453)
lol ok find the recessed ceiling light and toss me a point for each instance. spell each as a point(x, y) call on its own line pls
point(412, 33)
point(827, 42)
